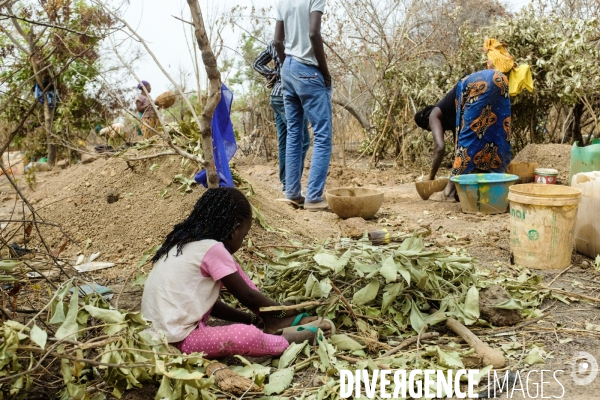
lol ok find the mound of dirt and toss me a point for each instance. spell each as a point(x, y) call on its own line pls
point(557, 156)
point(492, 296)
point(107, 207)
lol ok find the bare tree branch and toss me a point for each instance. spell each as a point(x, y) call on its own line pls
point(355, 113)
point(47, 25)
point(15, 41)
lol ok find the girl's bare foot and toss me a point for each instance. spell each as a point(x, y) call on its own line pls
point(293, 335)
point(273, 324)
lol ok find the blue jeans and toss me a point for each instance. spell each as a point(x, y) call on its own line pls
point(305, 95)
point(281, 124)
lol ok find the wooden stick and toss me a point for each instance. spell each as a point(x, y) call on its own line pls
point(368, 318)
point(280, 246)
point(293, 306)
point(366, 339)
point(303, 364)
point(355, 360)
point(490, 356)
point(408, 342)
point(346, 303)
point(419, 338)
point(568, 330)
point(583, 296)
point(559, 274)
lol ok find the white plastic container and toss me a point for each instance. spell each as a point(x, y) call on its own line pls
point(587, 226)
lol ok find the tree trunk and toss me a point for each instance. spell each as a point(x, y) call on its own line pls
point(214, 92)
point(48, 123)
point(531, 129)
point(576, 124)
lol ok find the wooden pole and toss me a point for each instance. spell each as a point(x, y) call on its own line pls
point(214, 92)
point(490, 356)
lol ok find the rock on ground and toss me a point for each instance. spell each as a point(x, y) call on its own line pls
point(88, 158)
point(494, 295)
point(353, 227)
point(112, 196)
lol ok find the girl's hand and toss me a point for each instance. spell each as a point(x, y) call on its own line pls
point(255, 300)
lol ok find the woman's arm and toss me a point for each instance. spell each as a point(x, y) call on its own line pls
point(439, 147)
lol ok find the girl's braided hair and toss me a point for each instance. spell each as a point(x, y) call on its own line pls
point(215, 216)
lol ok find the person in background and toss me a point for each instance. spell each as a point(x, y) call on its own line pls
point(482, 118)
point(306, 92)
point(273, 75)
point(147, 112)
point(439, 119)
point(194, 263)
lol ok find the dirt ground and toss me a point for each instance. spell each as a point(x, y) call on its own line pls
point(76, 199)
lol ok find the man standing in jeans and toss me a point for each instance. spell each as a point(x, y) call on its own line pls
point(261, 64)
point(306, 92)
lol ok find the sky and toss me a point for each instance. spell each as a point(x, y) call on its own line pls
point(153, 21)
point(165, 36)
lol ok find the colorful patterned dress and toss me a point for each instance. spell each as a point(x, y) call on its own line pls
point(483, 123)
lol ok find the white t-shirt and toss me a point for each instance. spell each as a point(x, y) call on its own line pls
point(295, 15)
point(180, 290)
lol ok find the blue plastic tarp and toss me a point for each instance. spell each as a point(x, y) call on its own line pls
point(223, 138)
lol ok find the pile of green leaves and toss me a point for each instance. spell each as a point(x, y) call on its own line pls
point(96, 343)
point(404, 285)
point(393, 290)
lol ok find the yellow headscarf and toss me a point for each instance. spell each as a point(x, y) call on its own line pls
point(497, 54)
point(519, 78)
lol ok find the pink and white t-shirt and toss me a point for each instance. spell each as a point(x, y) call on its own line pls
point(180, 290)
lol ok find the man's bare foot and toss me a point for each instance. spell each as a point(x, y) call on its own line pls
point(293, 335)
point(273, 324)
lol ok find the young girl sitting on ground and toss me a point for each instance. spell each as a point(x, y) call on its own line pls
point(190, 268)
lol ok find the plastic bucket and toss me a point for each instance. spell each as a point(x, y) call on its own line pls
point(484, 193)
point(547, 176)
point(542, 224)
point(584, 159)
point(587, 225)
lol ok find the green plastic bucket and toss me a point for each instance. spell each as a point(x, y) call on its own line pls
point(484, 193)
point(585, 159)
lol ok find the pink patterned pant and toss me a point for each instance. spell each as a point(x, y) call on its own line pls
point(230, 340)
